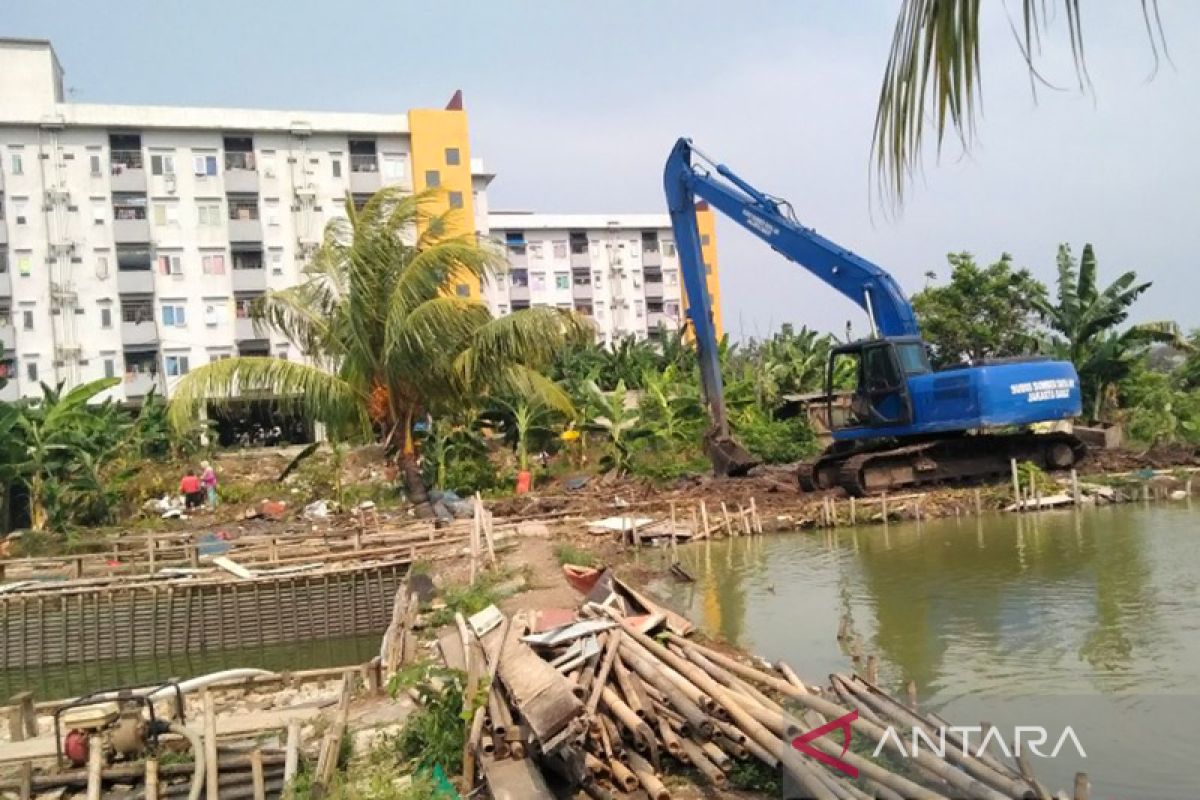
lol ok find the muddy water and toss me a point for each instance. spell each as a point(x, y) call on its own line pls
point(1089, 620)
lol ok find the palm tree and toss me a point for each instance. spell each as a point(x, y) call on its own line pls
point(934, 65)
point(1084, 320)
point(386, 339)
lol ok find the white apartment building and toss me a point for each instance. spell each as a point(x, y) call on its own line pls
point(622, 270)
point(133, 239)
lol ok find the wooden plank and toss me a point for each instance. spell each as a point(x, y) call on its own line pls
point(514, 779)
point(540, 692)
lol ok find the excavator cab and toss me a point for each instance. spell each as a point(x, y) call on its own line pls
point(880, 369)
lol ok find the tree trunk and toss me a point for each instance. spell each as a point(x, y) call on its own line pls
point(414, 484)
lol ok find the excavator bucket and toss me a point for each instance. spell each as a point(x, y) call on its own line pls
point(729, 458)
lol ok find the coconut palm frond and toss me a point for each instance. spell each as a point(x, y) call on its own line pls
point(315, 392)
point(932, 76)
point(531, 337)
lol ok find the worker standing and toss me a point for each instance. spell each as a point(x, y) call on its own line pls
point(208, 480)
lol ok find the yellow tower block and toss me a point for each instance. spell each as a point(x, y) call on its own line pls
point(441, 160)
point(706, 223)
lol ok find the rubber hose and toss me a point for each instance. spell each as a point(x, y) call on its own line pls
point(197, 753)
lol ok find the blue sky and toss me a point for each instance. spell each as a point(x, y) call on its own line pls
point(575, 105)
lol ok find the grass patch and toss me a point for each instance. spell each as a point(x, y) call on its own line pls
point(469, 599)
point(570, 554)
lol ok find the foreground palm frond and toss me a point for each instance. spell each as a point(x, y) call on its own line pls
point(933, 75)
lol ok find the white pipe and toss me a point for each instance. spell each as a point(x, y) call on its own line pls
point(195, 684)
point(197, 758)
point(200, 681)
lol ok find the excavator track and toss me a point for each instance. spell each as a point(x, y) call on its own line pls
point(948, 460)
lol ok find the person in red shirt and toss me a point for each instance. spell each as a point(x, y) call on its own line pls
point(190, 488)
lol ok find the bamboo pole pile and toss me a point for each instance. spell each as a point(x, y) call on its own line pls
point(611, 704)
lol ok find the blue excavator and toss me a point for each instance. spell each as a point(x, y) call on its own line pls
point(905, 424)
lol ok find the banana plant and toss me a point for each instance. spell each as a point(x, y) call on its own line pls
point(617, 422)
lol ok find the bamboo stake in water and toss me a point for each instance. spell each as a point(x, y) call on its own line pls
point(728, 522)
point(978, 503)
point(853, 512)
point(1075, 496)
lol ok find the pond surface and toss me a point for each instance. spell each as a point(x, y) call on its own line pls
point(74, 679)
point(1085, 619)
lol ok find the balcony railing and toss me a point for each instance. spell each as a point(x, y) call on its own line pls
point(239, 161)
point(243, 211)
point(364, 163)
point(122, 160)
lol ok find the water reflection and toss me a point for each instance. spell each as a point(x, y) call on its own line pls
point(1102, 605)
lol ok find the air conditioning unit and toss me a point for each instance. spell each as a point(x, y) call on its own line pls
point(169, 183)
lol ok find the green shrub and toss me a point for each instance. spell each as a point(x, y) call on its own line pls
point(776, 441)
point(470, 474)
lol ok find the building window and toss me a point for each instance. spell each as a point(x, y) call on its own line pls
point(519, 277)
point(106, 318)
point(535, 249)
point(579, 243)
point(136, 311)
point(456, 200)
point(668, 247)
point(453, 157)
point(31, 371)
point(129, 206)
point(176, 366)
point(243, 206)
point(336, 166)
point(18, 164)
point(433, 178)
point(165, 214)
point(515, 241)
point(562, 280)
point(271, 211)
point(94, 165)
point(110, 368)
point(213, 264)
point(18, 210)
point(276, 262)
point(537, 281)
point(649, 242)
point(27, 319)
point(395, 166)
point(501, 310)
point(596, 276)
point(560, 249)
point(638, 311)
point(243, 307)
point(204, 166)
point(462, 290)
point(164, 165)
point(24, 264)
point(210, 213)
point(174, 316)
point(170, 265)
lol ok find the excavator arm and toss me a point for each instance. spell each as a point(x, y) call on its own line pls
point(690, 176)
